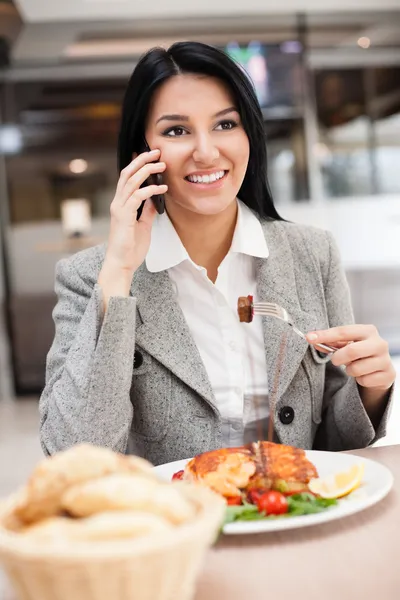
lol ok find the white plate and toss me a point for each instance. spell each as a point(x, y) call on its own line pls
point(377, 483)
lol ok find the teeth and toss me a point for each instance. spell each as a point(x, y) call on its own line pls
point(206, 178)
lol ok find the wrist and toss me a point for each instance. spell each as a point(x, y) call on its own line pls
point(115, 281)
point(373, 395)
point(375, 402)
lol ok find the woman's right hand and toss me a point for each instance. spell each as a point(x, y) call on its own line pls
point(129, 239)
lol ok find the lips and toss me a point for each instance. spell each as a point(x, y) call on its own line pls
point(206, 178)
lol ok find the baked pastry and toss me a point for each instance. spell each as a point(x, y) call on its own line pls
point(41, 497)
point(101, 527)
point(128, 492)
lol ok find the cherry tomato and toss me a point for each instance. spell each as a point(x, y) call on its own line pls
point(272, 503)
point(177, 475)
point(234, 501)
point(254, 494)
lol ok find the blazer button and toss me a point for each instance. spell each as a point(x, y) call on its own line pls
point(286, 415)
point(137, 359)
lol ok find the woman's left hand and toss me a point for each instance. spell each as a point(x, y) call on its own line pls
point(363, 352)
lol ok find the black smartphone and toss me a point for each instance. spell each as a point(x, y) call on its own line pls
point(155, 179)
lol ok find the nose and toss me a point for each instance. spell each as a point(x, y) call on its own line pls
point(205, 151)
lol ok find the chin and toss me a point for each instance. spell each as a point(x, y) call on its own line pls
point(211, 209)
point(211, 205)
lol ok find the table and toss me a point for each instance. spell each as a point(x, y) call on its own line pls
point(349, 559)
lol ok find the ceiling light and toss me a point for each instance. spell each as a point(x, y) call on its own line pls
point(10, 139)
point(364, 42)
point(78, 165)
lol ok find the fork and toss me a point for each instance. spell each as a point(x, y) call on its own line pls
point(270, 309)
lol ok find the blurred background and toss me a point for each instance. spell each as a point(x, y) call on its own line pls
point(327, 78)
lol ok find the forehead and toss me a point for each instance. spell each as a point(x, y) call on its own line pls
point(189, 94)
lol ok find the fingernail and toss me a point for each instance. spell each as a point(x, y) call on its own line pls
point(154, 151)
point(312, 336)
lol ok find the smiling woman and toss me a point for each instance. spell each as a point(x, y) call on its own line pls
point(192, 91)
point(149, 355)
point(207, 150)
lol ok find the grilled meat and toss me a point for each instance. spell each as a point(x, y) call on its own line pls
point(231, 471)
point(245, 309)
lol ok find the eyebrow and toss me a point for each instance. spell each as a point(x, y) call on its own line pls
point(186, 118)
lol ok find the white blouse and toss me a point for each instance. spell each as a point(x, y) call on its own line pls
point(233, 353)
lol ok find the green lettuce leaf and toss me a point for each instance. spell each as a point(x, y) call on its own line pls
point(307, 504)
point(298, 505)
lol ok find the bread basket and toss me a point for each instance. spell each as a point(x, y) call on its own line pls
point(158, 567)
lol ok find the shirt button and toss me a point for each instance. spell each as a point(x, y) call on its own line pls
point(233, 346)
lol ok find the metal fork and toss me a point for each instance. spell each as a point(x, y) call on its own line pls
point(270, 309)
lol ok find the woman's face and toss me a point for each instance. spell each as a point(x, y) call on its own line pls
point(194, 122)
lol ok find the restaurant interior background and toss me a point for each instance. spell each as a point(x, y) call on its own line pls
point(328, 80)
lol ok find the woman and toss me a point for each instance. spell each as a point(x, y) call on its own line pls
point(149, 356)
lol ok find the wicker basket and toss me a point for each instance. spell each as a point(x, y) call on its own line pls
point(162, 567)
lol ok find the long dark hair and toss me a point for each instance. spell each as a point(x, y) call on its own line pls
point(156, 67)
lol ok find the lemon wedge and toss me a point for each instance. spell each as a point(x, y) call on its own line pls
point(338, 485)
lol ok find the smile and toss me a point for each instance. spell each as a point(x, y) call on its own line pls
point(208, 178)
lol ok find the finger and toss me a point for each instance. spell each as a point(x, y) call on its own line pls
point(145, 193)
point(353, 352)
point(139, 178)
point(377, 379)
point(329, 350)
point(139, 161)
point(366, 366)
point(132, 205)
point(339, 345)
point(344, 333)
point(148, 215)
point(374, 346)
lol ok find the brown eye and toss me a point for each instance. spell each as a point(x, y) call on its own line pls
point(174, 132)
point(226, 125)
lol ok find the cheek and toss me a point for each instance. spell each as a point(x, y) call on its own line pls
point(174, 160)
point(243, 159)
point(239, 154)
point(170, 175)
point(241, 162)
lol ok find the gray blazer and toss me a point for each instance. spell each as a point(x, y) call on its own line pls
point(134, 381)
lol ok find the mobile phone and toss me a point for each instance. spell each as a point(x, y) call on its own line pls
point(155, 179)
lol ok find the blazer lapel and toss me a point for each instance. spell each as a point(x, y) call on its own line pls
point(276, 283)
point(169, 339)
point(164, 333)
